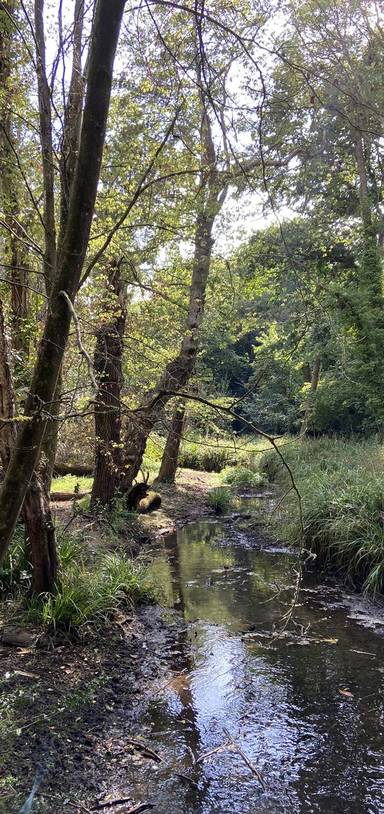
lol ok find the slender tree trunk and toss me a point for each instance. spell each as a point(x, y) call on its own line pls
point(7, 398)
point(178, 372)
point(39, 532)
point(70, 262)
point(108, 373)
point(314, 379)
point(371, 265)
point(168, 467)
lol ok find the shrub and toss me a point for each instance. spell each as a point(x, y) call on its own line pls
point(242, 476)
point(88, 597)
point(219, 499)
point(213, 458)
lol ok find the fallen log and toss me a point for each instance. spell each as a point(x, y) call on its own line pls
point(61, 496)
point(73, 469)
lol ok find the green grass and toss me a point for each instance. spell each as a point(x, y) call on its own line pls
point(342, 488)
point(89, 595)
point(91, 587)
point(219, 499)
point(243, 476)
point(72, 483)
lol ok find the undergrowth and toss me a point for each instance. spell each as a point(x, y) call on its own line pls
point(342, 489)
point(219, 499)
point(90, 590)
point(89, 596)
point(243, 476)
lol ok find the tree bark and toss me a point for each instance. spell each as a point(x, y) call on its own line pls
point(314, 379)
point(108, 372)
point(15, 250)
point(70, 262)
point(40, 538)
point(7, 398)
point(168, 467)
point(178, 372)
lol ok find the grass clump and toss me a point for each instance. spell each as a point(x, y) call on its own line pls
point(89, 597)
point(15, 572)
point(342, 489)
point(243, 476)
point(219, 499)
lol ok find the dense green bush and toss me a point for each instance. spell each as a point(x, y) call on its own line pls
point(243, 476)
point(207, 457)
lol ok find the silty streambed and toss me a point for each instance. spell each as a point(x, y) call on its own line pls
point(305, 711)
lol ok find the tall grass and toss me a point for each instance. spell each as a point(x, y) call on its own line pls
point(342, 488)
point(219, 499)
point(89, 596)
point(90, 590)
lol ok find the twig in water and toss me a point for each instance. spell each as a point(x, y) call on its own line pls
point(146, 750)
point(242, 754)
point(220, 748)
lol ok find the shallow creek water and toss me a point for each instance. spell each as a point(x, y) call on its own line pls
point(305, 711)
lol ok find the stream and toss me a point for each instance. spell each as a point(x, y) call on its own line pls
point(304, 711)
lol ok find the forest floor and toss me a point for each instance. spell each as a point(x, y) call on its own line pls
point(68, 709)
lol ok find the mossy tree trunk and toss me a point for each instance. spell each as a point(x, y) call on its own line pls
point(68, 266)
point(39, 530)
point(108, 372)
point(168, 467)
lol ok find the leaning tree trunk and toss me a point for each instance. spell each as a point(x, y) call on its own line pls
point(108, 372)
point(168, 467)
point(211, 197)
point(39, 532)
point(178, 372)
point(70, 261)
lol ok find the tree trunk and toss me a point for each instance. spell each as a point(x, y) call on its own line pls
point(211, 197)
point(178, 372)
point(15, 250)
point(167, 472)
point(108, 372)
point(7, 399)
point(39, 532)
point(70, 262)
point(50, 440)
point(40, 538)
point(314, 379)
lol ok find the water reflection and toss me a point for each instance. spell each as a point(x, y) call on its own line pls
point(283, 702)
